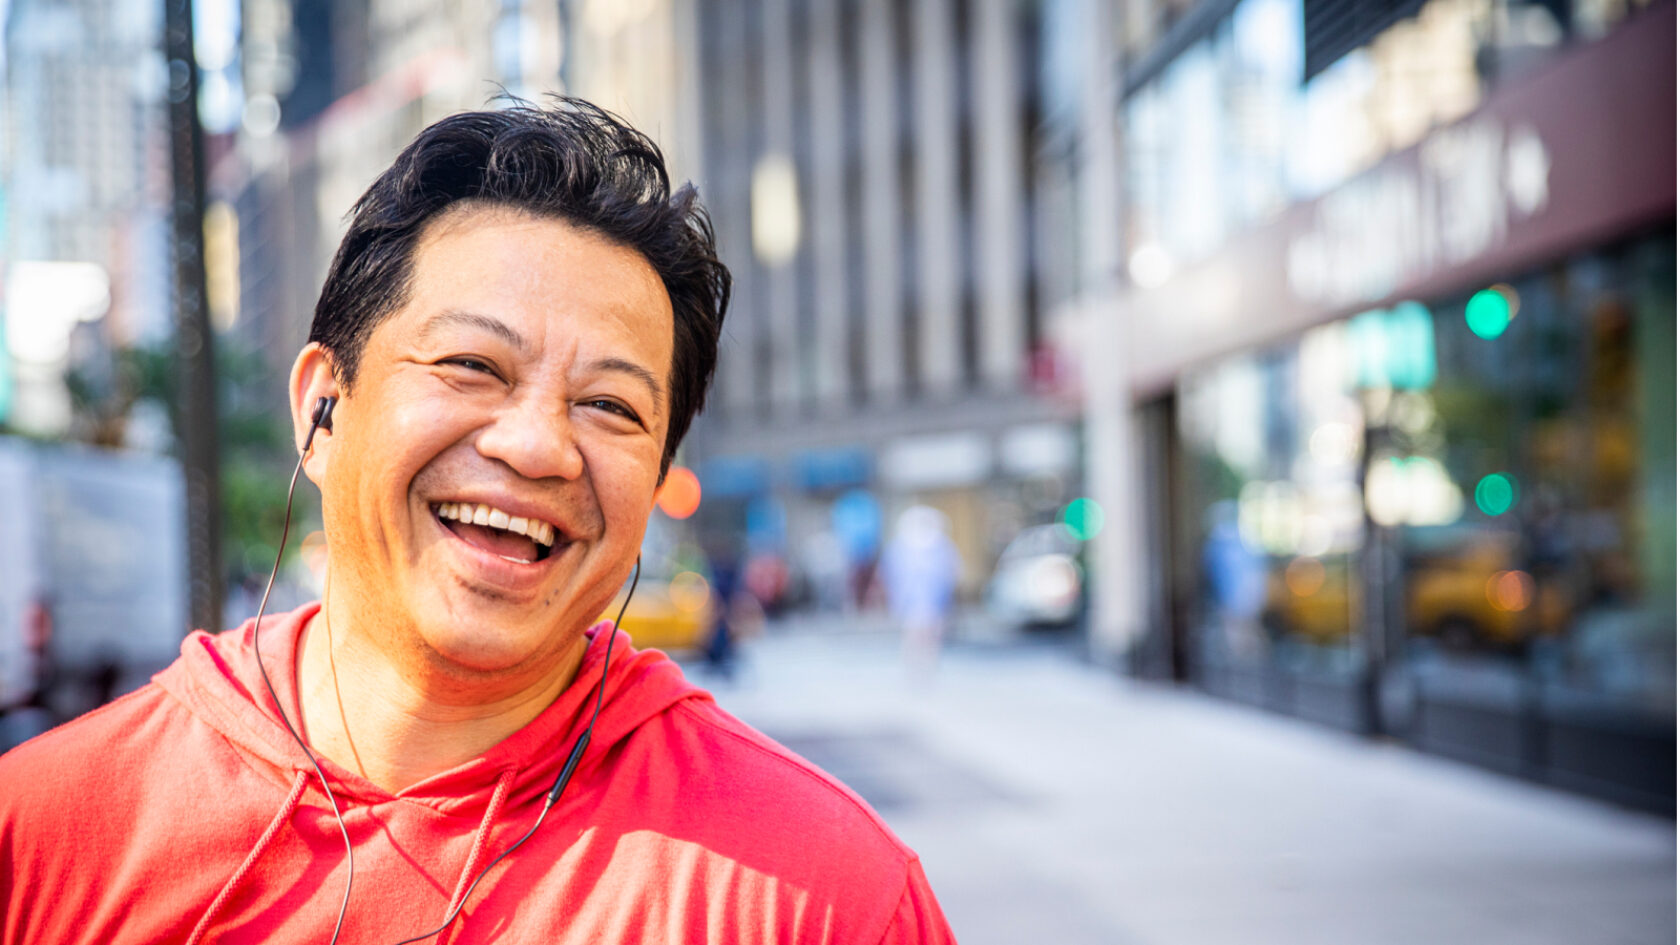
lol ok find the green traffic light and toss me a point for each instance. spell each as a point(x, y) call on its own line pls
point(1488, 313)
point(1496, 493)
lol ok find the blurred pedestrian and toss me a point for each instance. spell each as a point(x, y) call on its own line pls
point(1236, 576)
point(725, 565)
point(35, 711)
point(919, 571)
point(765, 576)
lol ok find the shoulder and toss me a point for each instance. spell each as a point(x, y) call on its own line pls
point(917, 917)
point(69, 783)
point(146, 749)
point(706, 803)
point(124, 791)
point(695, 771)
point(84, 754)
point(749, 766)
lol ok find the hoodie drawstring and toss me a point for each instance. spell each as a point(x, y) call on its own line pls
point(480, 840)
point(257, 851)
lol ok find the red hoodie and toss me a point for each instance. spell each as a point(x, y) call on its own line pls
point(184, 812)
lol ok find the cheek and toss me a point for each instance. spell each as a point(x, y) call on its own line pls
point(628, 497)
point(409, 433)
point(417, 421)
point(373, 473)
point(630, 505)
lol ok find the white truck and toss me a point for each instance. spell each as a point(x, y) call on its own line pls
point(92, 551)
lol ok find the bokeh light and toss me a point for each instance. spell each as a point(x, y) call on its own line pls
point(1489, 312)
point(1510, 590)
point(1084, 518)
point(689, 592)
point(679, 497)
point(1496, 493)
point(1055, 580)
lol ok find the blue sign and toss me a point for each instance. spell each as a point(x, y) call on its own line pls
point(766, 524)
point(819, 470)
point(856, 519)
point(734, 477)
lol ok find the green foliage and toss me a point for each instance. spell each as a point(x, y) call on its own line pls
point(252, 425)
point(253, 513)
point(257, 459)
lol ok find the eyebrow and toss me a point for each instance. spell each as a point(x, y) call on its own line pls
point(647, 377)
point(504, 331)
point(494, 326)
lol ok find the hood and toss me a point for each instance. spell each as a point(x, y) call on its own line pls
point(217, 679)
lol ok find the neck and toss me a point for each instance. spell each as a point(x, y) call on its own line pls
point(397, 728)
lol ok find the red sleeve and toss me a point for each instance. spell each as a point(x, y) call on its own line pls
point(918, 918)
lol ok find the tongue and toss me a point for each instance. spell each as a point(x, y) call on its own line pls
point(495, 541)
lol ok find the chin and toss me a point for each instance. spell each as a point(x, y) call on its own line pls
point(477, 633)
point(482, 649)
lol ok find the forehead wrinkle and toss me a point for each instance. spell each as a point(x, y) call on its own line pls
point(494, 326)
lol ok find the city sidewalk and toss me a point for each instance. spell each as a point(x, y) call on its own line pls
point(1052, 801)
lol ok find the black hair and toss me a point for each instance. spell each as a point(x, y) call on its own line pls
point(568, 160)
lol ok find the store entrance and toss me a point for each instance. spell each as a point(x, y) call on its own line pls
point(1164, 651)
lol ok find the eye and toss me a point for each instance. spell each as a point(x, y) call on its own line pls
point(614, 407)
point(476, 365)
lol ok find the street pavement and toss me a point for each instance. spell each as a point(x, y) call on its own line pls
point(1055, 801)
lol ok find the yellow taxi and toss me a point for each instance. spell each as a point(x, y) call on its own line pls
point(1460, 586)
point(672, 610)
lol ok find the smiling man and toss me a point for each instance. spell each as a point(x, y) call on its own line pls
point(512, 340)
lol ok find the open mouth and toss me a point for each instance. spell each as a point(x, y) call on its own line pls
point(521, 540)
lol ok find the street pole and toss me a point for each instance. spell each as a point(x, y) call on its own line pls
point(1112, 473)
point(194, 346)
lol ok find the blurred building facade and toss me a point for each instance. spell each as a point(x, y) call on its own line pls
point(1397, 312)
point(84, 203)
point(870, 168)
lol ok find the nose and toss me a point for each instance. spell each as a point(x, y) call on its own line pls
point(535, 437)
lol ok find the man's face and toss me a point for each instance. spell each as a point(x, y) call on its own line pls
point(490, 472)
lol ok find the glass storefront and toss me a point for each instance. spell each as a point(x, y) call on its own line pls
point(1272, 443)
point(1461, 511)
point(1553, 419)
point(1192, 185)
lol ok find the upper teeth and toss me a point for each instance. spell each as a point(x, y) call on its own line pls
point(538, 531)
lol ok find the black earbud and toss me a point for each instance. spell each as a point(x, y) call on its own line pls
point(319, 419)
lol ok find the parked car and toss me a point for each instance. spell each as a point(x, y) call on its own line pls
point(1467, 587)
point(1037, 581)
point(1463, 585)
point(673, 606)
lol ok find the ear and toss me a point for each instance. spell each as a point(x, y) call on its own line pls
point(312, 378)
